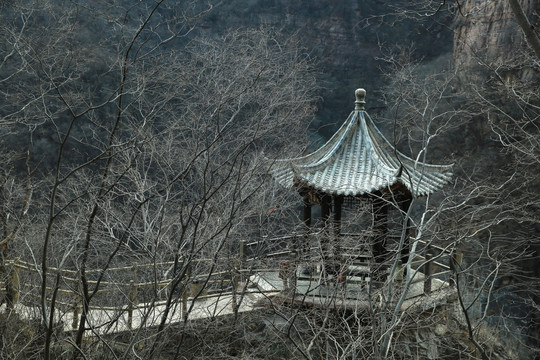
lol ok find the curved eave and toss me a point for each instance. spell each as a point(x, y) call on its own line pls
point(419, 178)
point(357, 160)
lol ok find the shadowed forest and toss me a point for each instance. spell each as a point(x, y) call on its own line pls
point(138, 140)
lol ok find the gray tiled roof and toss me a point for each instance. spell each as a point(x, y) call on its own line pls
point(357, 160)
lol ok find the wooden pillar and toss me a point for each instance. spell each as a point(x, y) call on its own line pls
point(242, 258)
point(380, 233)
point(307, 210)
point(185, 293)
point(305, 247)
point(338, 204)
point(455, 260)
point(326, 204)
point(132, 303)
point(428, 270)
point(404, 206)
point(293, 264)
point(77, 301)
point(13, 284)
point(380, 227)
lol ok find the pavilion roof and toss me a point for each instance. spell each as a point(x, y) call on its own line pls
point(358, 159)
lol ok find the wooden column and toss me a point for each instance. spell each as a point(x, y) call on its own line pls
point(380, 233)
point(428, 270)
point(326, 205)
point(456, 259)
point(338, 204)
point(242, 256)
point(404, 206)
point(132, 303)
point(305, 247)
point(307, 210)
point(380, 227)
point(185, 293)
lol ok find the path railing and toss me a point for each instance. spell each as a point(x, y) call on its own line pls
point(128, 288)
point(125, 289)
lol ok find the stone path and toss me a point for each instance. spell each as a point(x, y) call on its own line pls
point(263, 285)
point(107, 321)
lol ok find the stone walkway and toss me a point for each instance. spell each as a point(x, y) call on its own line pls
point(107, 321)
point(263, 285)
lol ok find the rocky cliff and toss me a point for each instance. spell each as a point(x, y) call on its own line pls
point(498, 70)
point(487, 31)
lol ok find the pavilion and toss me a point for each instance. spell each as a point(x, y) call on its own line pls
point(359, 164)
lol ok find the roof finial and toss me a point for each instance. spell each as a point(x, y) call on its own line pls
point(360, 99)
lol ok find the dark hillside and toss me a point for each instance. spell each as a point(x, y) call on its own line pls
point(348, 39)
point(138, 137)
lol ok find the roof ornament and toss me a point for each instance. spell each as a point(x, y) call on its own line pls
point(360, 99)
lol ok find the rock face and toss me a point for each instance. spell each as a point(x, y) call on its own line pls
point(487, 31)
point(347, 38)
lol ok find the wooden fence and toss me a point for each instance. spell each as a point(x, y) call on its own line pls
point(69, 296)
point(253, 257)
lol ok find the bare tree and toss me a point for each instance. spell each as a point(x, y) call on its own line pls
point(493, 216)
point(151, 141)
point(156, 150)
point(477, 215)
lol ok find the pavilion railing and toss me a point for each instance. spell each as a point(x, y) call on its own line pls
point(430, 260)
